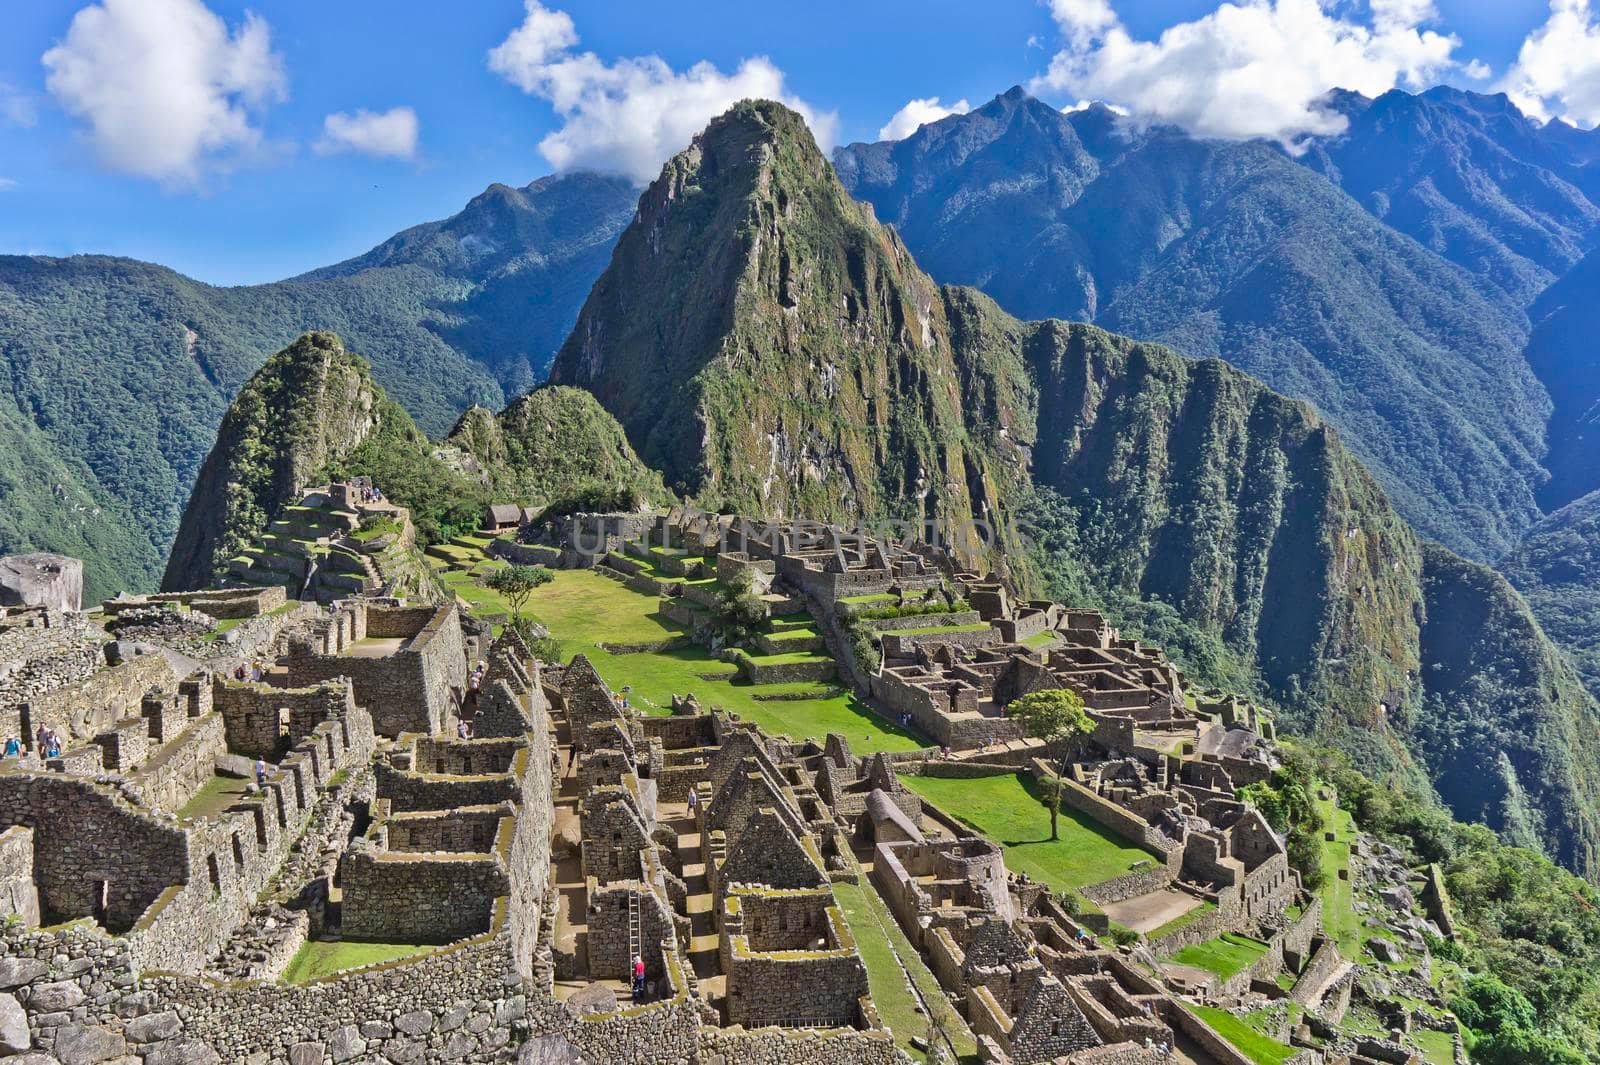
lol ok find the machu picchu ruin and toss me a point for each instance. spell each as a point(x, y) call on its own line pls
point(766, 809)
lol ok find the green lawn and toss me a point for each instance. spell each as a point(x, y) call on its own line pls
point(1040, 639)
point(318, 958)
point(937, 630)
point(1339, 915)
point(1439, 1048)
point(1251, 1043)
point(583, 609)
point(1227, 955)
point(884, 948)
point(214, 796)
point(1007, 810)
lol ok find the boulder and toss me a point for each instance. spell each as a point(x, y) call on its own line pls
point(41, 579)
point(14, 1038)
point(88, 1044)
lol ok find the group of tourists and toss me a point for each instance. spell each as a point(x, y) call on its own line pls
point(251, 671)
point(370, 494)
point(46, 743)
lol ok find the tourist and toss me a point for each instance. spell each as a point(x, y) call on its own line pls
point(41, 740)
point(55, 744)
point(261, 773)
point(638, 978)
point(13, 747)
point(255, 672)
point(240, 673)
point(474, 684)
point(461, 729)
point(572, 756)
point(694, 800)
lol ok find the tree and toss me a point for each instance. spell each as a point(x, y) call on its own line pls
point(1056, 716)
point(516, 583)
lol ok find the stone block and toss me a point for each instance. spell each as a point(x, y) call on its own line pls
point(306, 1054)
point(40, 579)
point(88, 1044)
point(183, 1052)
point(60, 995)
point(14, 1038)
point(14, 972)
point(154, 1027)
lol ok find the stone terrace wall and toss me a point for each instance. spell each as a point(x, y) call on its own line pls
point(419, 898)
point(788, 1046)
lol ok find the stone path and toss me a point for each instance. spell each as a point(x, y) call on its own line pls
point(703, 939)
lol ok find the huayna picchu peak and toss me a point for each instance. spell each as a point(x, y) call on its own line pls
point(1109, 584)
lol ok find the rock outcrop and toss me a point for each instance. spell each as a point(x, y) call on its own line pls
point(40, 579)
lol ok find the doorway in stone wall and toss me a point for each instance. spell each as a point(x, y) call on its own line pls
point(100, 903)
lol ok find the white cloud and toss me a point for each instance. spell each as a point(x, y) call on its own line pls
point(631, 115)
point(7, 184)
point(165, 88)
point(1557, 72)
point(391, 133)
point(1256, 68)
point(1477, 70)
point(16, 106)
point(918, 113)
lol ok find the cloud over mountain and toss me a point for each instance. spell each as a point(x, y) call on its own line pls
point(628, 116)
point(1258, 68)
point(1557, 72)
point(918, 113)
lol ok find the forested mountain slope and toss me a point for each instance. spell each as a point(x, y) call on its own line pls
point(125, 368)
point(1470, 177)
point(1564, 351)
point(770, 346)
point(1234, 250)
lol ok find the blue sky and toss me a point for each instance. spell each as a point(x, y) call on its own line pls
point(240, 180)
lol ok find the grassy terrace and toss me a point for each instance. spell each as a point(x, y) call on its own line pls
point(1251, 1043)
point(1339, 915)
point(318, 958)
point(936, 630)
point(1227, 955)
point(583, 610)
point(889, 957)
point(1008, 810)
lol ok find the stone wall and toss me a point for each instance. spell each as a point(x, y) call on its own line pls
point(184, 765)
point(89, 706)
point(789, 1046)
point(262, 721)
point(419, 898)
point(18, 896)
point(412, 690)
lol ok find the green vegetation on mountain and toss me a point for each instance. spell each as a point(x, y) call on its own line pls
point(124, 369)
point(772, 348)
point(555, 445)
point(308, 407)
point(1564, 350)
point(1557, 568)
point(1235, 251)
point(1530, 925)
point(1468, 176)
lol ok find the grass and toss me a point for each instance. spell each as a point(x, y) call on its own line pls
point(1227, 955)
point(214, 796)
point(583, 609)
point(1040, 639)
point(1438, 1048)
point(1339, 917)
point(1251, 1043)
point(318, 958)
point(1182, 921)
point(935, 630)
point(884, 949)
point(1008, 810)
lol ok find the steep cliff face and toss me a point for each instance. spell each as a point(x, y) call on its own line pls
point(768, 345)
point(310, 406)
point(1234, 250)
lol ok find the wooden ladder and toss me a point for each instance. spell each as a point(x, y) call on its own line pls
point(635, 939)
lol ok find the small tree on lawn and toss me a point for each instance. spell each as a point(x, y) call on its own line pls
point(516, 583)
point(1054, 715)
